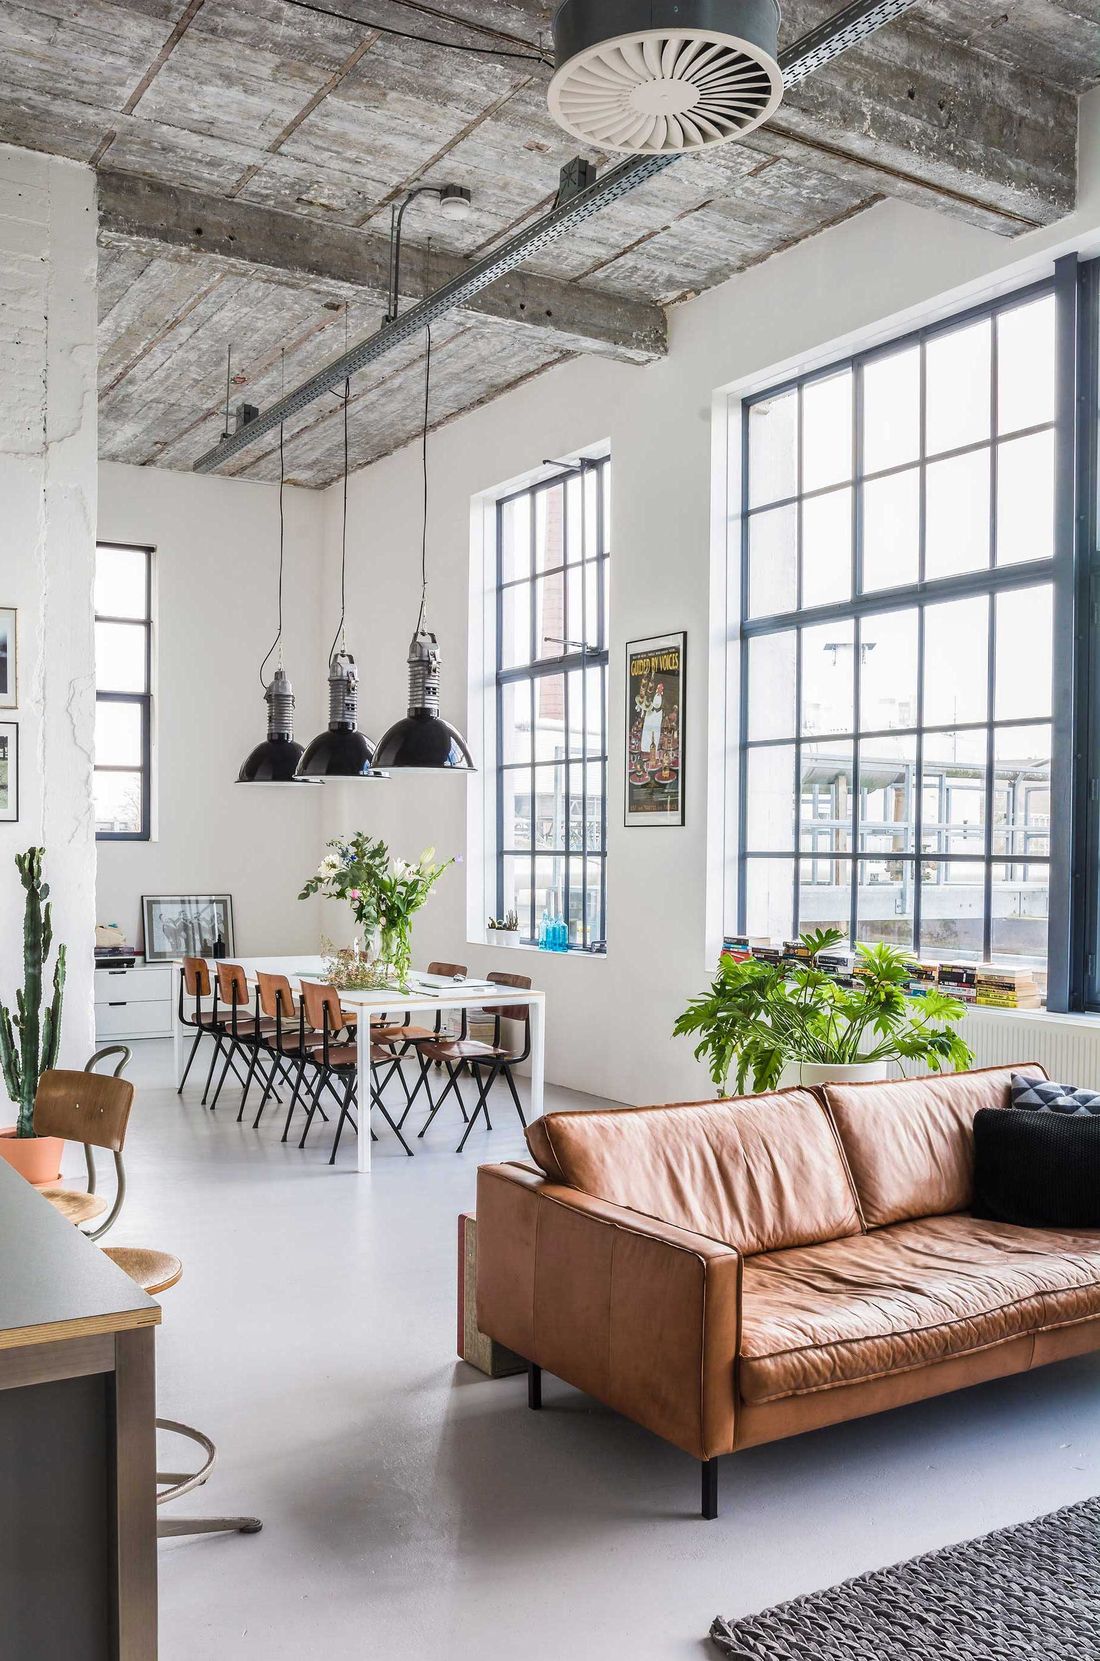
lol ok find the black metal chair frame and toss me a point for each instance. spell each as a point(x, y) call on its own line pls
point(328, 1073)
point(202, 1029)
point(496, 1066)
point(245, 1043)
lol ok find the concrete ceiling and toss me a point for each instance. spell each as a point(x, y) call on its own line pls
point(249, 152)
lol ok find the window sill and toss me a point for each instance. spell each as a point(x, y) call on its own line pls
point(1072, 1018)
point(527, 946)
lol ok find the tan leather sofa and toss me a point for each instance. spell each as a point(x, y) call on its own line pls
point(728, 1273)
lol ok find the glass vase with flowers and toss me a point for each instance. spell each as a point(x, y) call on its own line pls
point(384, 894)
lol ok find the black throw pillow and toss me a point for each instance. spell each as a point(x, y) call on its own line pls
point(1039, 1170)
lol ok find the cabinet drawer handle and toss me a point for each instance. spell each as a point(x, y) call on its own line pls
point(118, 971)
point(117, 1003)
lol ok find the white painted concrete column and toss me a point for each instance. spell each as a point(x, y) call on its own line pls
point(47, 552)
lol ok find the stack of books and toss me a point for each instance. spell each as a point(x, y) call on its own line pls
point(1001, 988)
point(991, 985)
point(959, 981)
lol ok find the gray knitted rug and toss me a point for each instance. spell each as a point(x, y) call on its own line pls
point(1030, 1593)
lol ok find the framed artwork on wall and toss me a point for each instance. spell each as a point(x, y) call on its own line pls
point(9, 772)
point(656, 677)
point(8, 667)
point(187, 925)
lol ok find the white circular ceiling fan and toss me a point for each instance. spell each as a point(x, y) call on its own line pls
point(664, 77)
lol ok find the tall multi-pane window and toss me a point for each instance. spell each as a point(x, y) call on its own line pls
point(123, 667)
point(897, 569)
point(553, 554)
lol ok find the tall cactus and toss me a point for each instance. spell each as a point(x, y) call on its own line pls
point(24, 1058)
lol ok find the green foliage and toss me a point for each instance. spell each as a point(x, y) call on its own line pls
point(759, 1016)
point(29, 1038)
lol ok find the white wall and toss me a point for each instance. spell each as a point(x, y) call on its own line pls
point(215, 564)
point(609, 1021)
point(47, 531)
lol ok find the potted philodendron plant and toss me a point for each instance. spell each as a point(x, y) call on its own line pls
point(763, 1020)
point(29, 1037)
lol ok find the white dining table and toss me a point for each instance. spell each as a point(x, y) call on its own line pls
point(429, 993)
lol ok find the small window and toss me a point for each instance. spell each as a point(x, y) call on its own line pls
point(123, 667)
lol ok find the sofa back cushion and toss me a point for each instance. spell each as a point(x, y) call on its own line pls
point(910, 1142)
point(758, 1172)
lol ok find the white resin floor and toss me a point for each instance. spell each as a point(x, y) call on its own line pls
point(413, 1508)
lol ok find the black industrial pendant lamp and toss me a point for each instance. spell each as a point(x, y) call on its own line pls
point(341, 751)
point(423, 741)
point(275, 761)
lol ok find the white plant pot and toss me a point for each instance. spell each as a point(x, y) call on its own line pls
point(851, 1072)
point(502, 937)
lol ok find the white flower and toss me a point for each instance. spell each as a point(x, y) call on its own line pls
point(402, 869)
point(427, 857)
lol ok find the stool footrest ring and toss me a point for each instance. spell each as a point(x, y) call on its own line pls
point(184, 1483)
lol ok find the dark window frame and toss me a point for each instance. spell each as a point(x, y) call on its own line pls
point(143, 701)
point(1070, 287)
point(591, 860)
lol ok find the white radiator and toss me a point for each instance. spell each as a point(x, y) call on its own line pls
point(1068, 1046)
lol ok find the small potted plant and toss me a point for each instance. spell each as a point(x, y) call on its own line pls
point(503, 931)
point(761, 1019)
point(29, 1037)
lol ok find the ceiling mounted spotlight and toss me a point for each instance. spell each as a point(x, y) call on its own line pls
point(455, 202)
point(661, 77)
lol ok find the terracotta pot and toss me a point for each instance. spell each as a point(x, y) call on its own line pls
point(38, 1158)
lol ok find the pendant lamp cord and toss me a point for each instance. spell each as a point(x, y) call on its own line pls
point(277, 643)
point(424, 467)
point(339, 636)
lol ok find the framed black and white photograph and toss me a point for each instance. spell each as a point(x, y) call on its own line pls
point(9, 771)
point(655, 680)
point(187, 925)
point(8, 668)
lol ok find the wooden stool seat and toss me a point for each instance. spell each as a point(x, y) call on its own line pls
point(154, 1271)
point(73, 1204)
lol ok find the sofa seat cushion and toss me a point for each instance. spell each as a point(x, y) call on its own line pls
point(905, 1297)
point(758, 1172)
point(910, 1142)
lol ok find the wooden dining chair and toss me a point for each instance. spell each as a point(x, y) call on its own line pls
point(337, 1062)
point(93, 1109)
point(487, 1062)
point(285, 1039)
point(238, 1035)
point(402, 1039)
point(193, 1012)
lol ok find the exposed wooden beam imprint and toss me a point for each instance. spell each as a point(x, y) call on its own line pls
point(183, 23)
point(308, 108)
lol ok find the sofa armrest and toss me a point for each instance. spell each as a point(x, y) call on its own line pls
point(636, 1312)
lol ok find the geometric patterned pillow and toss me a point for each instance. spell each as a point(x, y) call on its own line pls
point(1045, 1096)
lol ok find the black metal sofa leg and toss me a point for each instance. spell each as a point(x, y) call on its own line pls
point(709, 1468)
point(534, 1386)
